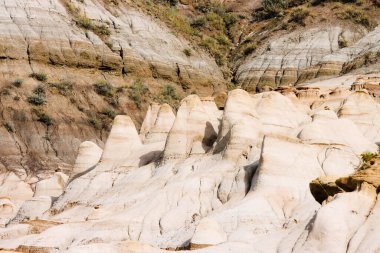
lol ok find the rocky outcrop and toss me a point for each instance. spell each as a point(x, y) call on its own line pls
point(305, 54)
point(73, 45)
point(244, 189)
point(119, 39)
point(325, 187)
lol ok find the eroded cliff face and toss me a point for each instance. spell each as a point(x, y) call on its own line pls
point(186, 171)
point(79, 44)
point(96, 35)
point(70, 46)
point(212, 180)
point(314, 51)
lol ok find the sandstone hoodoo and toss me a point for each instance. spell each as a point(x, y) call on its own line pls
point(152, 126)
point(212, 181)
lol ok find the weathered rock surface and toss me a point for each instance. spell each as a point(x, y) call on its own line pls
point(235, 180)
point(305, 54)
point(325, 187)
point(78, 44)
point(43, 31)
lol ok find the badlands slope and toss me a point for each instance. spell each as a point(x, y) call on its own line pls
point(249, 178)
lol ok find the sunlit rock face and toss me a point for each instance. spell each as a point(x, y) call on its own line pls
point(304, 54)
point(239, 180)
point(43, 32)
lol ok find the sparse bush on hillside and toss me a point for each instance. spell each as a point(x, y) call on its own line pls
point(43, 117)
point(199, 22)
point(274, 8)
point(214, 48)
point(299, 15)
point(249, 49)
point(39, 90)
point(357, 16)
point(367, 156)
point(137, 91)
point(64, 87)
point(84, 22)
point(109, 112)
point(177, 22)
point(38, 98)
point(212, 26)
point(17, 83)
point(40, 76)
point(376, 3)
point(207, 6)
point(169, 95)
point(104, 89)
point(88, 24)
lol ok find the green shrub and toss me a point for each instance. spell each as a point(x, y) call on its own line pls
point(101, 30)
point(39, 76)
point(43, 117)
point(169, 95)
point(39, 90)
point(274, 7)
point(199, 22)
point(207, 6)
point(214, 49)
point(17, 83)
point(104, 89)
point(109, 112)
point(176, 21)
point(223, 40)
point(84, 22)
point(357, 16)
point(137, 91)
point(169, 92)
point(64, 87)
point(299, 15)
point(230, 19)
point(250, 48)
point(367, 156)
point(36, 100)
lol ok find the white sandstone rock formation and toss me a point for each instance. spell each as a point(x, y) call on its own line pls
point(158, 121)
point(212, 181)
point(89, 155)
point(305, 54)
point(53, 186)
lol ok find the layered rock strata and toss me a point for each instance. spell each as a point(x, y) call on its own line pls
point(217, 181)
point(306, 54)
